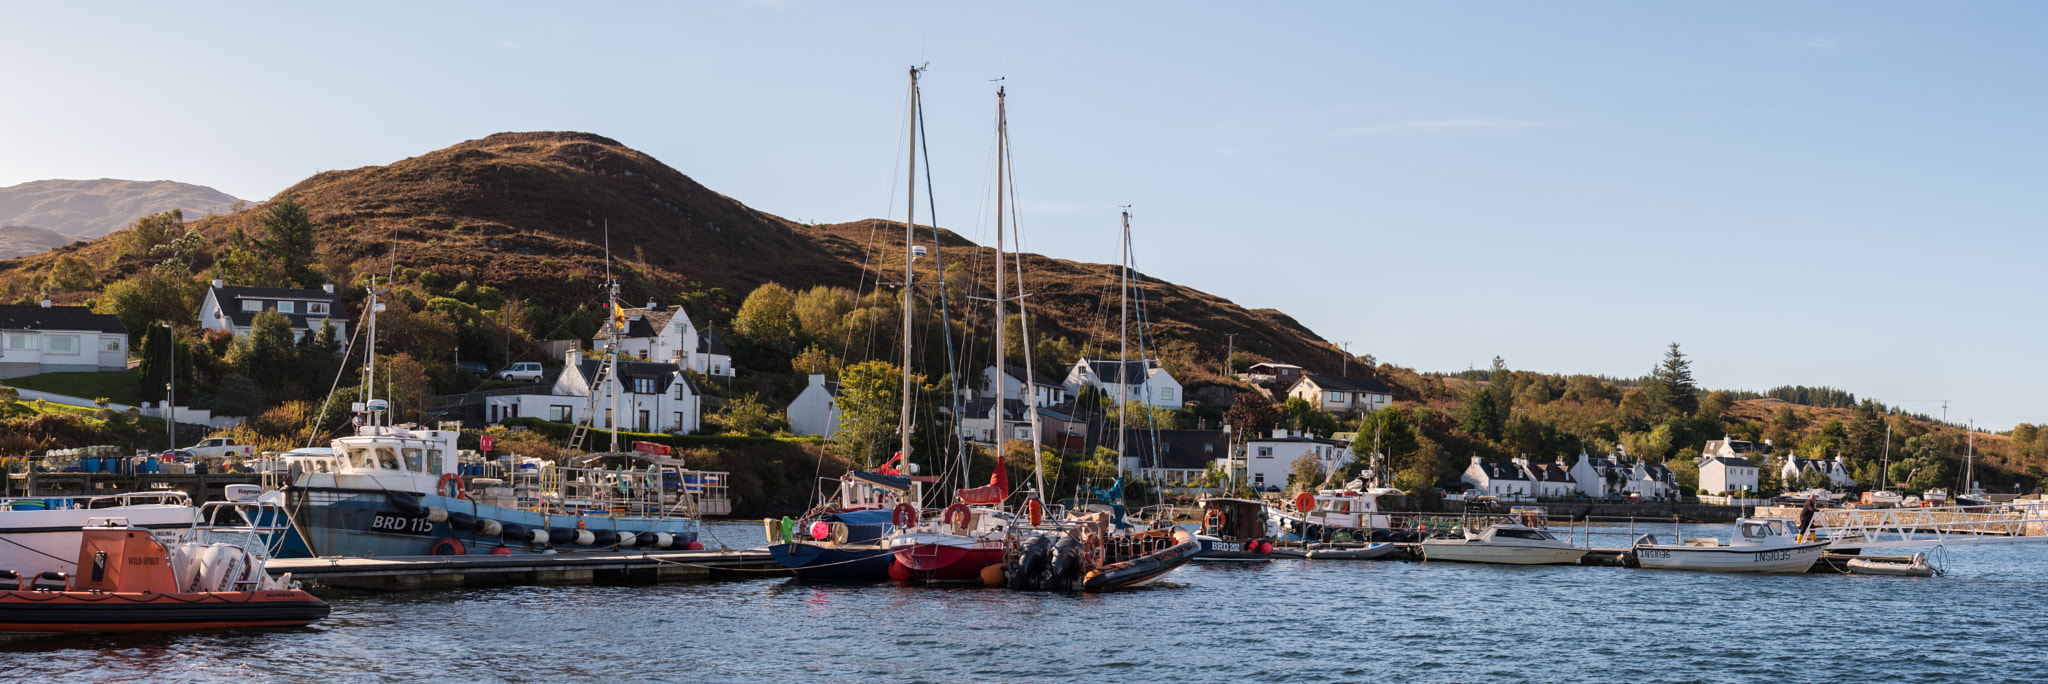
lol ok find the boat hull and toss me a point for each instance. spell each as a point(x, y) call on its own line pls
point(1367, 552)
point(1502, 554)
point(1795, 559)
point(370, 523)
point(945, 558)
point(47, 612)
point(1215, 549)
point(47, 540)
point(1141, 570)
point(844, 563)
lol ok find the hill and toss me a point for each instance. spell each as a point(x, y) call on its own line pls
point(92, 208)
point(527, 213)
point(21, 241)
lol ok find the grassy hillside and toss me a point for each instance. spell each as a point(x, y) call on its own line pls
point(92, 208)
point(21, 241)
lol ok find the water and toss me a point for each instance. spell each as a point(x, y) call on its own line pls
point(1284, 621)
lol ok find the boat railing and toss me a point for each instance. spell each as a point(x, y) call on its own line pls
point(653, 491)
point(252, 525)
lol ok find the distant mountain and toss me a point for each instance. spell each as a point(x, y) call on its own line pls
point(92, 208)
point(21, 241)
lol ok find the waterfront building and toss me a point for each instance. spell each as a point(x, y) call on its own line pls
point(815, 412)
point(1727, 474)
point(1836, 470)
point(1599, 476)
point(1268, 460)
point(1505, 480)
point(654, 397)
point(1143, 381)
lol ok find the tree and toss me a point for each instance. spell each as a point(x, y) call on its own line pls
point(289, 241)
point(1652, 446)
point(150, 297)
point(870, 394)
point(319, 359)
point(821, 312)
point(1813, 478)
point(267, 353)
point(814, 361)
point(1307, 471)
point(148, 232)
point(1251, 415)
point(1389, 427)
point(1480, 415)
point(237, 396)
point(72, 274)
point(155, 369)
point(769, 316)
point(746, 414)
point(1671, 390)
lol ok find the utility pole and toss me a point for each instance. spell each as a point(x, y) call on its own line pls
point(1230, 351)
point(1346, 345)
point(170, 389)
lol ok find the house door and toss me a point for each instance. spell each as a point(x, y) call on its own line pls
point(644, 425)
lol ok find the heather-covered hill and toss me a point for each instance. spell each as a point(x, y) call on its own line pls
point(92, 208)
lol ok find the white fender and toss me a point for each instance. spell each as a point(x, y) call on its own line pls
point(490, 528)
point(663, 540)
point(585, 538)
point(436, 514)
point(628, 539)
point(540, 536)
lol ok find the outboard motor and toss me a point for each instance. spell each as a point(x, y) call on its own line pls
point(1066, 562)
point(1031, 561)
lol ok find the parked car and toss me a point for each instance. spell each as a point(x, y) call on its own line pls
point(523, 371)
point(475, 368)
point(222, 446)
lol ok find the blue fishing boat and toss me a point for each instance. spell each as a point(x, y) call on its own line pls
point(845, 541)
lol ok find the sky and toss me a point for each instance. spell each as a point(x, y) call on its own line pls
point(1824, 193)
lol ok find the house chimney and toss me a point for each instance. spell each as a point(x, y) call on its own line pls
point(46, 302)
point(329, 287)
point(652, 306)
point(217, 283)
point(817, 379)
point(1475, 459)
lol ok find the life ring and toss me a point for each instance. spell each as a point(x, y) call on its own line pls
point(1528, 519)
point(1305, 502)
point(448, 546)
point(1036, 509)
point(1091, 548)
point(458, 491)
point(1214, 520)
point(906, 515)
point(959, 516)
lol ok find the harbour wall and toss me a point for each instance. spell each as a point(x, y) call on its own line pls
point(1707, 513)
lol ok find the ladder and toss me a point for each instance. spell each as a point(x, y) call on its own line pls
point(604, 373)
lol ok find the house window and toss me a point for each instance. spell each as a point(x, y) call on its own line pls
point(607, 419)
point(63, 344)
point(110, 344)
point(643, 385)
point(1265, 452)
point(679, 421)
point(1208, 448)
point(559, 414)
point(643, 355)
point(1259, 479)
point(252, 305)
point(287, 307)
point(1334, 397)
point(717, 369)
point(1166, 393)
point(679, 388)
point(21, 340)
point(1023, 432)
point(316, 308)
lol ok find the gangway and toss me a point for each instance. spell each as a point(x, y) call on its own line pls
point(2013, 523)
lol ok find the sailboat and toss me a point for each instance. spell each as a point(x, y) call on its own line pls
point(393, 489)
point(843, 539)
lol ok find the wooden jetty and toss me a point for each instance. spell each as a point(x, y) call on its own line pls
point(401, 573)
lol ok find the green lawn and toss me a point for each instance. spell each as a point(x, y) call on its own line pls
point(120, 387)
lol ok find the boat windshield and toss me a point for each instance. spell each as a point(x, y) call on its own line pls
point(412, 459)
point(1509, 533)
point(387, 459)
point(1755, 530)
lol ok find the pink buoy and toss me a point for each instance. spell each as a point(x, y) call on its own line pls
point(898, 572)
point(1265, 547)
point(696, 546)
point(820, 530)
point(501, 551)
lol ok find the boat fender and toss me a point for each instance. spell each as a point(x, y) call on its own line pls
point(662, 540)
point(1265, 547)
point(436, 514)
point(11, 577)
point(601, 538)
point(992, 576)
point(1036, 509)
point(515, 533)
point(820, 530)
point(490, 528)
point(405, 502)
point(559, 536)
point(585, 538)
point(462, 521)
point(501, 551)
point(538, 537)
point(694, 546)
point(898, 572)
point(838, 533)
point(905, 515)
point(448, 546)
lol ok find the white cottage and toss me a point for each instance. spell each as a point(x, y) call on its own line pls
point(1332, 394)
point(60, 339)
point(815, 412)
point(1045, 391)
point(1836, 470)
point(1269, 460)
point(653, 397)
point(234, 309)
point(1727, 474)
point(1502, 479)
point(665, 333)
point(1598, 477)
point(1143, 381)
point(1551, 480)
point(1651, 481)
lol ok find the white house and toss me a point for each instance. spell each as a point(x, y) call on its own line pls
point(1283, 374)
point(1143, 381)
point(1727, 474)
point(653, 397)
point(1597, 477)
point(665, 334)
point(1502, 479)
point(816, 410)
point(59, 339)
point(1045, 391)
point(1730, 447)
point(1835, 469)
point(1331, 394)
point(1651, 481)
point(234, 309)
point(1551, 480)
point(1269, 460)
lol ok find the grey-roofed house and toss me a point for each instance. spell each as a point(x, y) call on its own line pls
point(1720, 473)
point(1333, 394)
point(1552, 480)
point(663, 333)
point(1181, 458)
point(1598, 476)
point(1045, 391)
point(1140, 380)
point(43, 338)
point(1505, 480)
point(234, 309)
point(652, 397)
point(1835, 469)
point(816, 411)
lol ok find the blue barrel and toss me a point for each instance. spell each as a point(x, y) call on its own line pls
point(90, 465)
point(149, 465)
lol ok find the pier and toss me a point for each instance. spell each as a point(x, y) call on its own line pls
point(403, 573)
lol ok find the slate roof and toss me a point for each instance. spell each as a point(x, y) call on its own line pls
point(664, 374)
point(1658, 472)
point(1552, 472)
point(1728, 461)
point(1178, 449)
point(229, 298)
point(1502, 470)
point(1017, 373)
point(35, 317)
point(1735, 445)
point(1332, 383)
point(708, 343)
point(1110, 371)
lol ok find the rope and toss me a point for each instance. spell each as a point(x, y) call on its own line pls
point(45, 555)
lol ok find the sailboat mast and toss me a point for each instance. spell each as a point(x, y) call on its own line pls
point(1123, 324)
point(1002, 322)
point(612, 296)
point(909, 236)
point(370, 356)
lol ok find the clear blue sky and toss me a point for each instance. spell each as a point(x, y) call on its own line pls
point(1819, 193)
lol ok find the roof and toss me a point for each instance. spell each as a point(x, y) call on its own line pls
point(1552, 472)
point(1736, 445)
point(1112, 371)
point(1735, 462)
point(1337, 384)
point(1501, 470)
point(226, 294)
point(1276, 365)
point(708, 343)
point(1178, 449)
point(663, 374)
point(35, 317)
point(1017, 372)
point(1657, 472)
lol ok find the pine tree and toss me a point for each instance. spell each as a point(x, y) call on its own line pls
point(288, 241)
point(1671, 390)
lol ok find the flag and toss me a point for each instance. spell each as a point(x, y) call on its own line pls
point(619, 317)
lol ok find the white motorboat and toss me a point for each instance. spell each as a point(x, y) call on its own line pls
point(1507, 543)
point(1759, 545)
point(1330, 515)
point(41, 534)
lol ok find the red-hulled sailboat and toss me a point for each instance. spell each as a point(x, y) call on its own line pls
point(968, 536)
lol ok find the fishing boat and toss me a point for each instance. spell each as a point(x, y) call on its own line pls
point(1510, 543)
point(1759, 545)
point(844, 541)
point(1234, 530)
point(1335, 516)
point(394, 490)
point(128, 580)
point(1913, 566)
point(40, 534)
point(1935, 497)
point(1883, 499)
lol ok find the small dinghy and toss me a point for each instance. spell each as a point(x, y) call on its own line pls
point(1350, 551)
point(128, 581)
point(1916, 566)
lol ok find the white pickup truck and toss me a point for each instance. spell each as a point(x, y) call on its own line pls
point(222, 446)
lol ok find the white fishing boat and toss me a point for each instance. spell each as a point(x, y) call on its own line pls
point(40, 534)
point(1331, 516)
point(1759, 545)
point(1507, 543)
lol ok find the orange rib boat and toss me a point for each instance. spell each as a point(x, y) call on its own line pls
point(128, 581)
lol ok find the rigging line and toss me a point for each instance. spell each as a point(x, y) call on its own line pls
point(313, 422)
point(939, 264)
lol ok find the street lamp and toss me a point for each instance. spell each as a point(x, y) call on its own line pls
point(170, 394)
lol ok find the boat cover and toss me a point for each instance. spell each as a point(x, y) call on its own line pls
point(896, 482)
point(997, 489)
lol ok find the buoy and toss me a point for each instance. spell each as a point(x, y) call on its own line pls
point(1265, 547)
point(899, 572)
point(695, 546)
point(820, 530)
point(501, 551)
point(992, 576)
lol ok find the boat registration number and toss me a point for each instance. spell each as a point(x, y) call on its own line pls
point(1766, 556)
point(400, 523)
point(1653, 553)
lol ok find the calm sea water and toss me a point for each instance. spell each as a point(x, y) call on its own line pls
point(1284, 621)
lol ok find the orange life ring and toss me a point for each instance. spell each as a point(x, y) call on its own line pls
point(905, 516)
point(448, 546)
point(1091, 547)
point(460, 491)
point(1036, 510)
point(964, 515)
point(1305, 502)
point(1214, 519)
